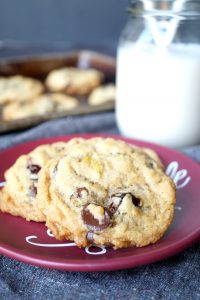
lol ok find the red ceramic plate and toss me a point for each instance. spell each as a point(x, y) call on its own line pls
point(32, 243)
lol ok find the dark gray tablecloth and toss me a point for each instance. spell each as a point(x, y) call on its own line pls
point(177, 277)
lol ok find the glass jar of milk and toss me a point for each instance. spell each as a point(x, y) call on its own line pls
point(158, 73)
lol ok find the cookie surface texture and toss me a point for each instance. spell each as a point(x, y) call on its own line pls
point(105, 192)
point(19, 196)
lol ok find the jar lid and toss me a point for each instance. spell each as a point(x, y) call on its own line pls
point(181, 7)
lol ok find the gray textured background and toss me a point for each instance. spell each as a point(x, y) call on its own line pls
point(62, 20)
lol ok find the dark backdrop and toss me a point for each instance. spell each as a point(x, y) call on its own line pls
point(80, 21)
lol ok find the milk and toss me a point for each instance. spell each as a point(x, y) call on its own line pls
point(158, 93)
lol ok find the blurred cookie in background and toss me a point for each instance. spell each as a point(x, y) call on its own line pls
point(102, 94)
point(74, 81)
point(19, 88)
point(46, 103)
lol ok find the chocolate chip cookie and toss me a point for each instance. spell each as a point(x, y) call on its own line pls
point(102, 94)
point(41, 105)
point(19, 195)
point(18, 88)
point(105, 192)
point(74, 81)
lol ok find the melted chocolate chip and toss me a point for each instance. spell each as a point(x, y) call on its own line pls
point(89, 237)
point(116, 201)
point(80, 192)
point(135, 200)
point(94, 224)
point(113, 208)
point(34, 169)
point(32, 191)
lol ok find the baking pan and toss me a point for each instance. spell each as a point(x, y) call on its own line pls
point(39, 66)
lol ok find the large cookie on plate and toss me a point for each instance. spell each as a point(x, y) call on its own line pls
point(19, 195)
point(105, 192)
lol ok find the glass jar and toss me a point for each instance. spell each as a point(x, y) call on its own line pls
point(158, 73)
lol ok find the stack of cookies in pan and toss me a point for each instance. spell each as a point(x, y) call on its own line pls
point(97, 191)
point(23, 97)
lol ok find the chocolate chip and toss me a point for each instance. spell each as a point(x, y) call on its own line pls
point(34, 169)
point(112, 208)
point(32, 191)
point(94, 224)
point(116, 201)
point(79, 193)
point(150, 163)
point(89, 237)
point(135, 200)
